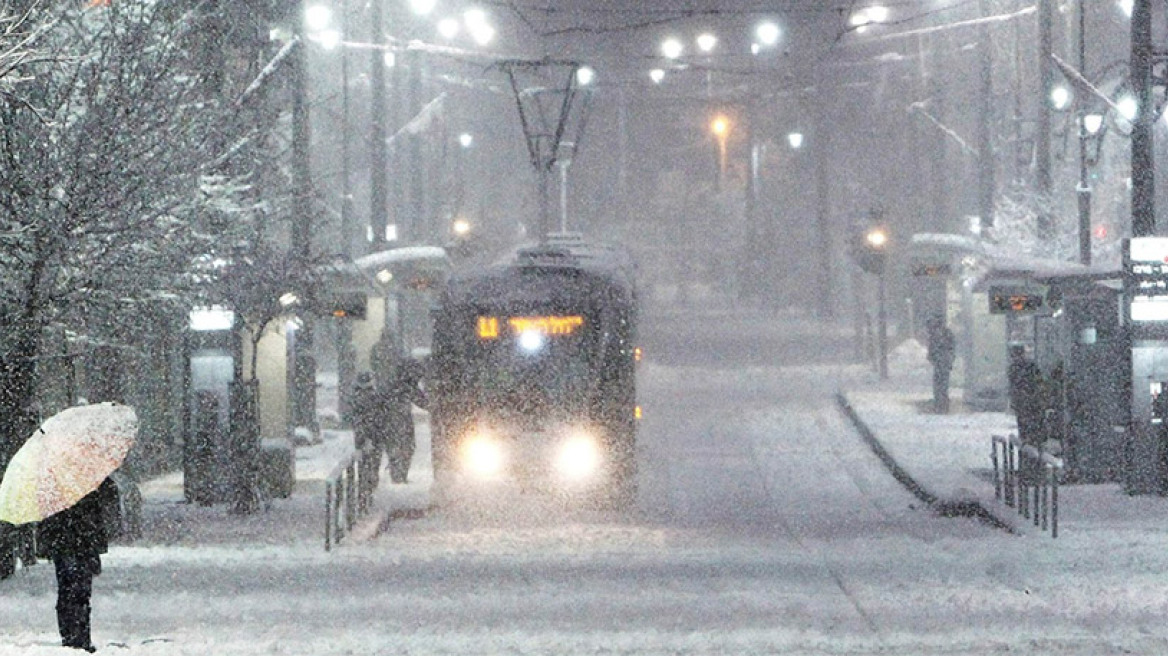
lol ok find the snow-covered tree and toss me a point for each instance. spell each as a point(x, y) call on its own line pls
point(125, 159)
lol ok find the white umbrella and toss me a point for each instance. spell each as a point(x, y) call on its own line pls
point(65, 459)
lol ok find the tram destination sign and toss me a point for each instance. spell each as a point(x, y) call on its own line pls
point(1146, 266)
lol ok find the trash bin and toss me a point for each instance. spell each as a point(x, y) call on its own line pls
point(277, 467)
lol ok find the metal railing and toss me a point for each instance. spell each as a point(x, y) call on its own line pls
point(347, 496)
point(1027, 478)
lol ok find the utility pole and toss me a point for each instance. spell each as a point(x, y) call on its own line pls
point(822, 141)
point(378, 155)
point(303, 366)
point(985, 178)
point(1044, 180)
point(1145, 473)
point(346, 357)
point(1142, 161)
point(1083, 192)
point(415, 231)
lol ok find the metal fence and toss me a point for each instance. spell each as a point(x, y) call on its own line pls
point(1027, 478)
point(347, 495)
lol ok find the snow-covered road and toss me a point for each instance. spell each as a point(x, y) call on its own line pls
point(764, 524)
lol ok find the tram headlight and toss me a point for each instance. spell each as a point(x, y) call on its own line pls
point(531, 341)
point(579, 457)
point(482, 455)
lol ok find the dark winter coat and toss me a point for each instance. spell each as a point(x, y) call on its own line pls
point(1028, 398)
point(369, 416)
point(942, 348)
point(80, 529)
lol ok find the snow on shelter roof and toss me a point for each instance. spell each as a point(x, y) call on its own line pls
point(419, 257)
point(998, 265)
point(404, 263)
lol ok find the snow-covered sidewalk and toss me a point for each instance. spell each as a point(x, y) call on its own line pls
point(949, 456)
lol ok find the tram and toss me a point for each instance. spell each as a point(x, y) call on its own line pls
point(533, 371)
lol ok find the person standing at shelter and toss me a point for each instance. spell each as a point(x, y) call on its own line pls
point(74, 540)
point(942, 347)
point(369, 417)
point(1027, 396)
point(400, 381)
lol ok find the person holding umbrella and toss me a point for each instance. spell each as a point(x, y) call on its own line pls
point(74, 540)
point(59, 479)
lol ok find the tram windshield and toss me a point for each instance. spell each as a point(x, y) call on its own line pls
point(530, 360)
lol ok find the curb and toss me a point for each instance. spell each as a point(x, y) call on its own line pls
point(954, 507)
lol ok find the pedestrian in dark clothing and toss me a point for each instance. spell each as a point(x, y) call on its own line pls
point(74, 540)
point(369, 419)
point(400, 379)
point(942, 349)
point(1027, 396)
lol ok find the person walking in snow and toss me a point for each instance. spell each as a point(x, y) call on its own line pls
point(74, 540)
point(369, 418)
point(942, 349)
point(400, 379)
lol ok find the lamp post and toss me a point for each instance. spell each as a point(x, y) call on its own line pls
point(720, 127)
point(303, 369)
point(320, 20)
point(1083, 191)
point(378, 146)
point(706, 43)
point(876, 247)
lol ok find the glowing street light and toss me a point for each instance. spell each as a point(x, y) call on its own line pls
point(1128, 107)
point(318, 18)
point(768, 34)
point(672, 48)
point(585, 75)
point(657, 75)
point(795, 140)
point(422, 7)
point(720, 127)
point(476, 23)
point(1092, 123)
point(1060, 97)
point(872, 15)
point(466, 140)
point(707, 42)
point(448, 28)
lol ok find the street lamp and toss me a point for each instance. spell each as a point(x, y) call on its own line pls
point(720, 127)
point(479, 27)
point(422, 7)
point(672, 48)
point(874, 252)
point(795, 140)
point(318, 18)
point(860, 20)
point(768, 34)
point(448, 28)
point(585, 75)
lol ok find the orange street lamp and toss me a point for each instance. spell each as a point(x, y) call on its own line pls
point(720, 126)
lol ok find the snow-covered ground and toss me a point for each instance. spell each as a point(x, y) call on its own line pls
point(764, 525)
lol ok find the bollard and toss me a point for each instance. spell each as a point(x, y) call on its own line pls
point(328, 515)
point(994, 460)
